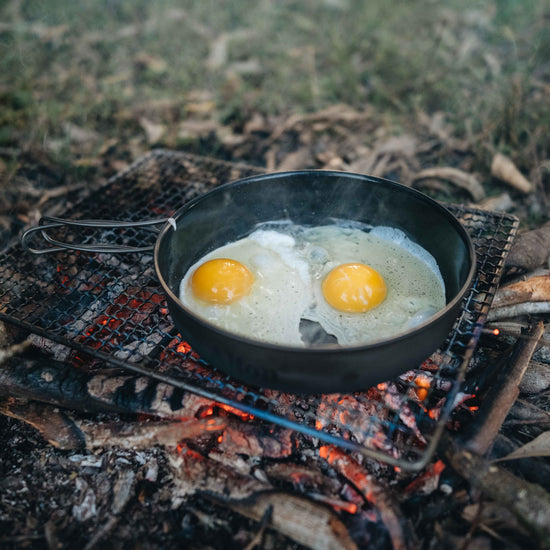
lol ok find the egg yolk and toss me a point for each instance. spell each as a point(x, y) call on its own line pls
point(221, 281)
point(354, 288)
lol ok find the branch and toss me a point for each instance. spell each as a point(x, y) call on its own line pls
point(500, 399)
point(534, 289)
point(66, 431)
point(529, 502)
point(527, 308)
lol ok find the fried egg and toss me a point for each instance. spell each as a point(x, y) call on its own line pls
point(346, 284)
point(397, 283)
point(258, 287)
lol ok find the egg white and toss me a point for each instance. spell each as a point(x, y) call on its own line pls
point(415, 289)
point(280, 293)
point(289, 263)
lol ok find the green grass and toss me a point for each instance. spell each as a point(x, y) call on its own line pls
point(483, 63)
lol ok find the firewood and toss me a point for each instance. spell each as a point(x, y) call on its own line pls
point(373, 491)
point(498, 403)
point(52, 424)
point(308, 523)
point(313, 525)
point(524, 412)
point(517, 310)
point(455, 176)
point(534, 289)
point(62, 384)
point(529, 502)
point(66, 431)
point(505, 170)
point(531, 249)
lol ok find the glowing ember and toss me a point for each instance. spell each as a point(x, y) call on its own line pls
point(183, 347)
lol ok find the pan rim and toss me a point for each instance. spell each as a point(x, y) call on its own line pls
point(326, 349)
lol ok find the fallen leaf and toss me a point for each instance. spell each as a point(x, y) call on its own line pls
point(505, 170)
point(150, 62)
point(49, 34)
point(192, 129)
point(80, 135)
point(153, 131)
point(540, 446)
point(457, 177)
point(398, 145)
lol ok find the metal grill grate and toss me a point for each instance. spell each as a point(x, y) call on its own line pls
point(110, 308)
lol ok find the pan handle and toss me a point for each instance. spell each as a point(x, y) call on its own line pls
point(49, 222)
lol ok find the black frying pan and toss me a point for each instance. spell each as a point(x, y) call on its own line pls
point(231, 211)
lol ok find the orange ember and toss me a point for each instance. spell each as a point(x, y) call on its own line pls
point(183, 347)
point(242, 415)
point(421, 393)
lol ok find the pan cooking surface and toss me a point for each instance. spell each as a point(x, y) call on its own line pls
point(110, 310)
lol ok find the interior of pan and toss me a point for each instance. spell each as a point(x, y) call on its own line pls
point(231, 211)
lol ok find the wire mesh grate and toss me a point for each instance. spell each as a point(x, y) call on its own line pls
point(110, 309)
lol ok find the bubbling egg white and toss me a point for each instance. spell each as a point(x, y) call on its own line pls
point(289, 263)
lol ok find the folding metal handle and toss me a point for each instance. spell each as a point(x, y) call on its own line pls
point(48, 222)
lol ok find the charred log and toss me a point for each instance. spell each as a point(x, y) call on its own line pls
point(62, 384)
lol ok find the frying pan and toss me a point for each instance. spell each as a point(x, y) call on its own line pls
point(310, 197)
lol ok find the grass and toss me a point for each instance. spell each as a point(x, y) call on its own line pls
point(485, 64)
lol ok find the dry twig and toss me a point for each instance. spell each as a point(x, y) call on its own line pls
point(66, 431)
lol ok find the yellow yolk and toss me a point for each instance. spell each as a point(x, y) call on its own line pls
point(354, 288)
point(221, 281)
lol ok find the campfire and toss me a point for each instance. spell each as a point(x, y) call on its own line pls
point(100, 366)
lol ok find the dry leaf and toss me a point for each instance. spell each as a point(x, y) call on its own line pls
point(49, 34)
point(193, 129)
point(504, 169)
point(153, 131)
point(150, 62)
point(455, 176)
point(540, 446)
point(79, 135)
